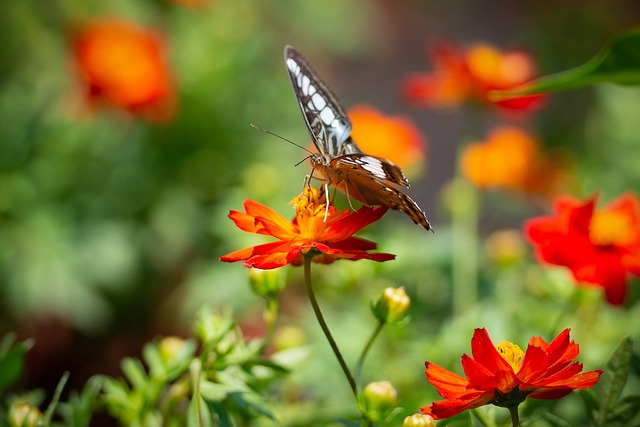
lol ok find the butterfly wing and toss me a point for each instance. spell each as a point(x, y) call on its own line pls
point(374, 181)
point(325, 118)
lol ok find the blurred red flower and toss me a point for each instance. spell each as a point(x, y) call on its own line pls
point(469, 75)
point(511, 158)
point(505, 376)
point(373, 132)
point(125, 65)
point(599, 247)
point(309, 232)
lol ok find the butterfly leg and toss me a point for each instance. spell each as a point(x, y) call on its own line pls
point(346, 190)
point(326, 206)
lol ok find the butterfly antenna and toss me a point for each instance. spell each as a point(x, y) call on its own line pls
point(302, 161)
point(284, 139)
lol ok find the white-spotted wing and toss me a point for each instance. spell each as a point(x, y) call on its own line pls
point(368, 179)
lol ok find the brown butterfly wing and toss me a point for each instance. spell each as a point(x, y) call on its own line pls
point(375, 181)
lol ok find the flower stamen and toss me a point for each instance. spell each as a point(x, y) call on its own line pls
point(610, 228)
point(512, 354)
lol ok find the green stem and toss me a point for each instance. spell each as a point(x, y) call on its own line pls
point(323, 325)
point(366, 349)
point(271, 316)
point(464, 225)
point(515, 419)
point(464, 235)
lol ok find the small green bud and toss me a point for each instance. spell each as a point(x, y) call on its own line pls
point(266, 283)
point(21, 414)
point(289, 337)
point(169, 347)
point(378, 399)
point(392, 306)
point(419, 420)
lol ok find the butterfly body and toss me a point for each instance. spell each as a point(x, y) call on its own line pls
point(368, 179)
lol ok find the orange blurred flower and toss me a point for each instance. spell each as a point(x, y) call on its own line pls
point(327, 238)
point(511, 158)
point(600, 247)
point(469, 75)
point(394, 138)
point(125, 65)
point(505, 376)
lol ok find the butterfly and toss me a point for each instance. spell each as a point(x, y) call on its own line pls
point(368, 179)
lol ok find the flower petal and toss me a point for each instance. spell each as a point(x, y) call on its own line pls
point(347, 226)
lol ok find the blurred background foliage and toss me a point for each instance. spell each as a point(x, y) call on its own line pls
point(111, 224)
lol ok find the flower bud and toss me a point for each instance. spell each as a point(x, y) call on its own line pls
point(419, 420)
point(21, 414)
point(266, 283)
point(169, 347)
point(392, 306)
point(505, 247)
point(378, 399)
point(289, 337)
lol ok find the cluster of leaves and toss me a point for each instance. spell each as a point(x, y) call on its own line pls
point(220, 380)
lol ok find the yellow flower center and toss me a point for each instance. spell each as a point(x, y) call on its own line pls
point(311, 209)
point(511, 353)
point(310, 203)
point(610, 228)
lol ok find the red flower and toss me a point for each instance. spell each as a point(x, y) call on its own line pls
point(599, 247)
point(504, 375)
point(470, 75)
point(309, 232)
point(125, 65)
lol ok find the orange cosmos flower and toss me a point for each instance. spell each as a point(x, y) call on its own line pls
point(125, 65)
point(394, 138)
point(309, 232)
point(511, 158)
point(599, 247)
point(504, 375)
point(469, 75)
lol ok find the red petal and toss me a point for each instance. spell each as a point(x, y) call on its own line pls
point(485, 353)
point(256, 209)
point(259, 250)
point(449, 408)
point(246, 222)
point(448, 384)
point(346, 227)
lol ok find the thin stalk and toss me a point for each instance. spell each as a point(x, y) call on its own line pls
point(464, 235)
point(324, 327)
point(366, 349)
point(515, 419)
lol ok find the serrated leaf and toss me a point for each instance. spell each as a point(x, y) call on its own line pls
point(617, 62)
point(223, 417)
point(612, 380)
point(78, 410)
point(135, 373)
point(251, 403)
point(625, 410)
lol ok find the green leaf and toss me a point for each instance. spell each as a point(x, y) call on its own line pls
point(613, 380)
point(199, 414)
point(78, 410)
point(617, 62)
point(135, 373)
point(625, 410)
point(11, 360)
point(46, 420)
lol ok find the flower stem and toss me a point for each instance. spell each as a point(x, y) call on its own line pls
point(515, 419)
point(366, 349)
point(323, 325)
point(464, 235)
